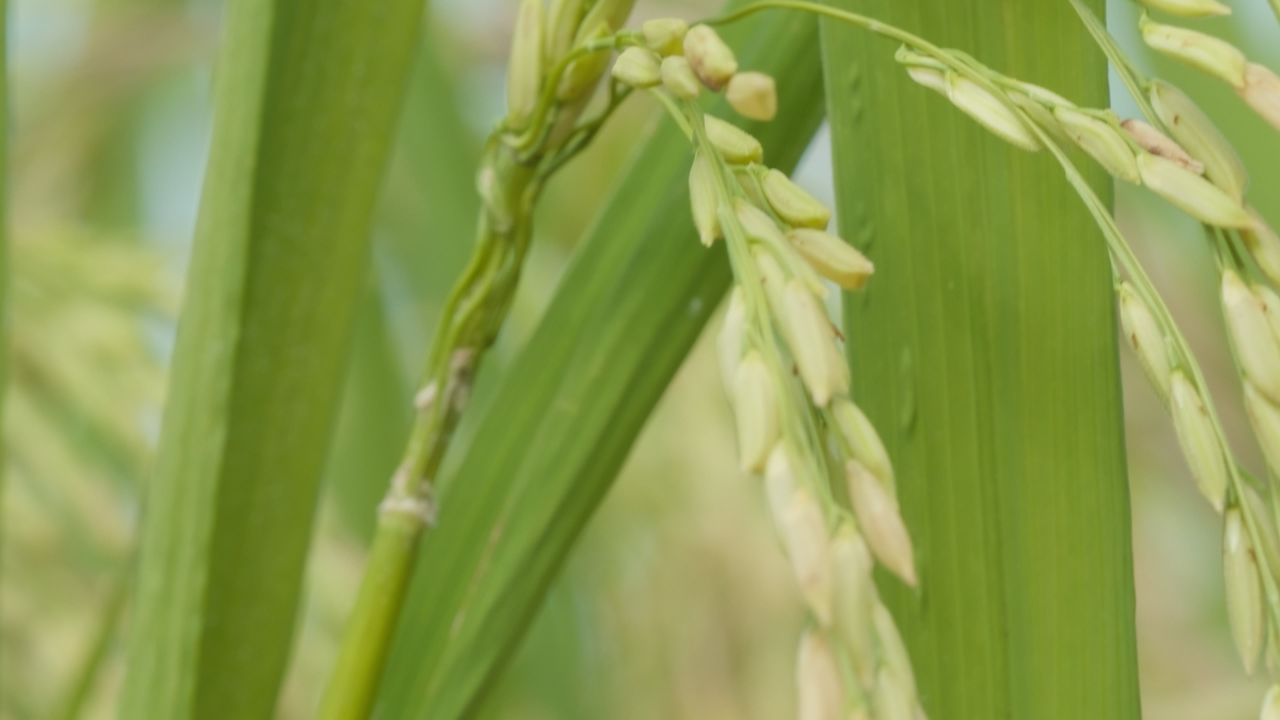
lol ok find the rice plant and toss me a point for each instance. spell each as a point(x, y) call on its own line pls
point(920, 378)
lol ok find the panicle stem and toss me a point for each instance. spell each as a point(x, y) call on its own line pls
point(519, 157)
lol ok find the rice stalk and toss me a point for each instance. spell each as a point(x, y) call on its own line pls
point(558, 56)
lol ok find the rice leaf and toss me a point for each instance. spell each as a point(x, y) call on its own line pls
point(984, 349)
point(306, 99)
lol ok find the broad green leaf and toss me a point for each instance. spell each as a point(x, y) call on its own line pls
point(306, 100)
point(564, 416)
point(984, 349)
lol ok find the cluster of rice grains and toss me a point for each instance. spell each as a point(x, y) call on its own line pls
point(1180, 155)
point(1255, 83)
point(788, 380)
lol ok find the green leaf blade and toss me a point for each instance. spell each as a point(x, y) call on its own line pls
point(985, 351)
point(307, 96)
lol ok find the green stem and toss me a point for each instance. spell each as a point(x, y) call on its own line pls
point(470, 322)
point(1136, 83)
point(863, 21)
point(363, 655)
point(511, 176)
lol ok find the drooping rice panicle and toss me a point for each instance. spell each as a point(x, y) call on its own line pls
point(789, 383)
point(1031, 118)
point(1209, 185)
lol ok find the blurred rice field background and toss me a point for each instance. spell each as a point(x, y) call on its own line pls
point(676, 603)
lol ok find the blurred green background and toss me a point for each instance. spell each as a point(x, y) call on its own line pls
point(676, 602)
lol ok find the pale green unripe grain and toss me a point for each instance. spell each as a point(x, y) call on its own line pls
point(731, 342)
point(892, 700)
point(703, 199)
point(761, 229)
point(1044, 95)
point(711, 59)
point(1101, 141)
point(524, 71)
point(581, 76)
point(854, 598)
point(678, 78)
point(562, 27)
point(1145, 337)
point(1257, 509)
point(1191, 193)
point(805, 539)
point(1261, 91)
point(822, 367)
point(1245, 606)
point(793, 203)
point(756, 224)
point(755, 406)
point(779, 481)
point(1198, 440)
point(753, 95)
point(613, 13)
point(736, 145)
point(1041, 115)
point(638, 67)
point(880, 521)
point(1256, 345)
point(990, 111)
point(1206, 52)
point(1270, 303)
point(832, 257)
point(1264, 417)
point(1201, 138)
point(819, 692)
point(665, 35)
point(1157, 143)
point(775, 282)
point(1264, 246)
point(863, 440)
point(931, 78)
point(893, 651)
